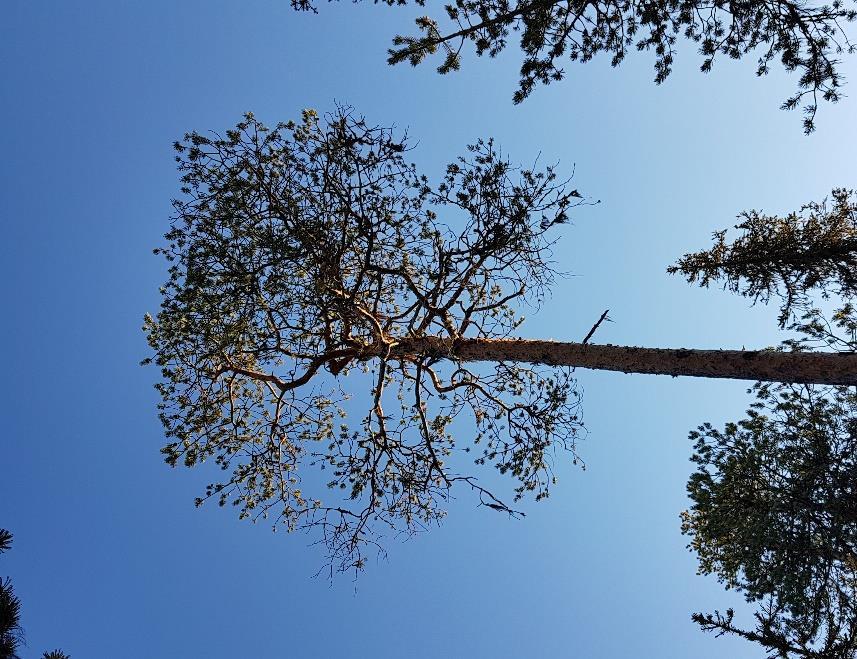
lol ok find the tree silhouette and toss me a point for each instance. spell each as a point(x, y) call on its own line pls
point(774, 510)
point(11, 632)
point(804, 36)
point(315, 247)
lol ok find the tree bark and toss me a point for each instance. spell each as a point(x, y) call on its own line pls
point(765, 365)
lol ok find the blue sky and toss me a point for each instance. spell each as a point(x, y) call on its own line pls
point(110, 557)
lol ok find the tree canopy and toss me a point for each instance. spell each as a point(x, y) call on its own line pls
point(774, 511)
point(790, 257)
point(775, 515)
point(312, 246)
point(807, 37)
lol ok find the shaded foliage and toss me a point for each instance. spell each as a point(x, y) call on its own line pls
point(774, 510)
point(775, 516)
point(299, 257)
point(789, 257)
point(806, 37)
point(774, 495)
point(11, 632)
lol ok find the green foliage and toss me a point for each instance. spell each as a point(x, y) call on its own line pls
point(814, 249)
point(804, 36)
point(775, 515)
point(774, 510)
point(774, 496)
point(55, 654)
point(300, 257)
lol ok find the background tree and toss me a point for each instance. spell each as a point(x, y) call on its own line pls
point(812, 250)
point(315, 247)
point(11, 633)
point(805, 36)
point(774, 496)
point(775, 516)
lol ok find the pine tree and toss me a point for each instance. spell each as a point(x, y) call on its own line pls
point(315, 247)
point(807, 37)
point(11, 632)
point(774, 516)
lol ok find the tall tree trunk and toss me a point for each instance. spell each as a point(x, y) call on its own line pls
point(766, 365)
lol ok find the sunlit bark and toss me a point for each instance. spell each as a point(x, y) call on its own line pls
point(765, 365)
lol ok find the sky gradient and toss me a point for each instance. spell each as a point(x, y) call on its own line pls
point(110, 557)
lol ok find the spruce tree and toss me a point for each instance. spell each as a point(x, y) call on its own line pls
point(774, 511)
point(813, 250)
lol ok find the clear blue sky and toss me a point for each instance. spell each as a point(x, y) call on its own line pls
point(110, 557)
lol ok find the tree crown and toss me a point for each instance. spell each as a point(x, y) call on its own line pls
point(314, 247)
point(775, 515)
point(804, 36)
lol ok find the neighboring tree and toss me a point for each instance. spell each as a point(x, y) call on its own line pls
point(804, 36)
point(774, 510)
point(315, 247)
point(813, 250)
point(775, 516)
point(11, 632)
